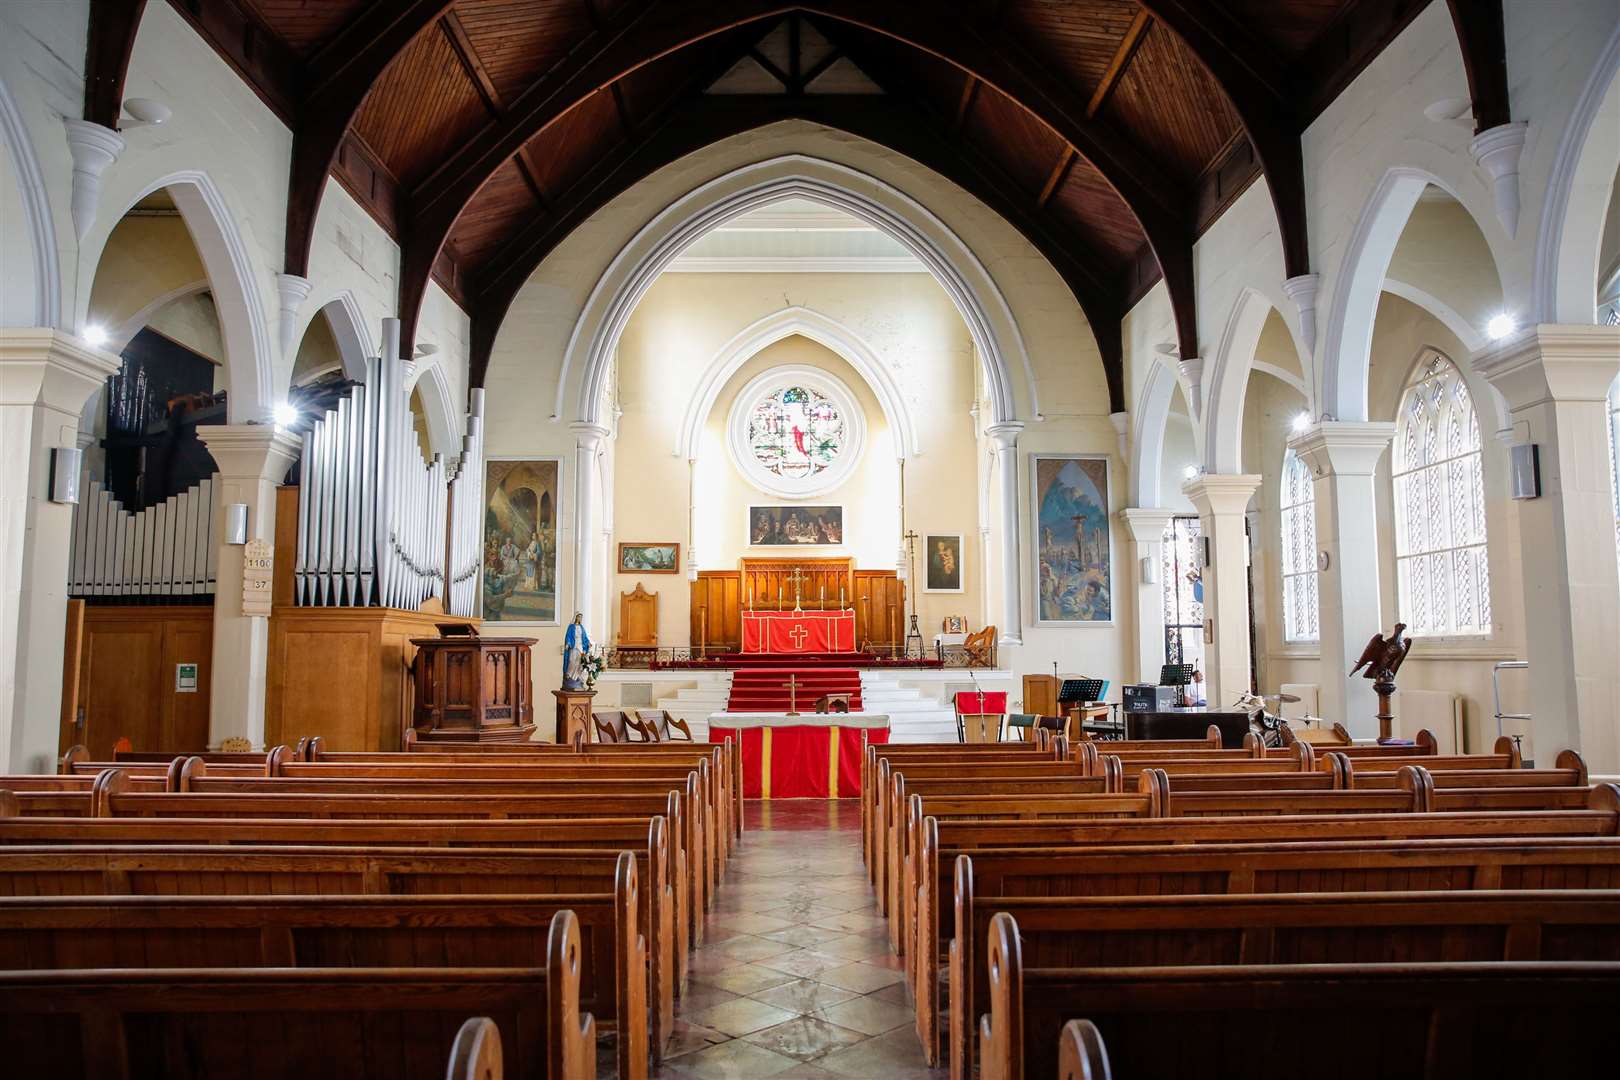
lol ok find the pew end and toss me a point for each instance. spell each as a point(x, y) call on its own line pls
point(75, 753)
point(476, 1053)
point(1081, 1054)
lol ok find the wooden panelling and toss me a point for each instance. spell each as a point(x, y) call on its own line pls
point(1025, 147)
point(504, 204)
point(519, 40)
point(127, 677)
point(305, 24)
point(1172, 107)
point(880, 609)
point(570, 146)
point(1085, 203)
point(1076, 38)
point(422, 108)
point(1289, 28)
point(717, 596)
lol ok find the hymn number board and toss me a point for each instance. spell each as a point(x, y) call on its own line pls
point(258, 568)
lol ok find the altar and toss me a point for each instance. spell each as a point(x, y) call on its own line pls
point(813, 756)
point(798, 631)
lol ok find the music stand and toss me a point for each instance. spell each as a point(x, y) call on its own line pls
point(1178, 676)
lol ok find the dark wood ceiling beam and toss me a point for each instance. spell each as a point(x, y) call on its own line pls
point(473, 66)
point(1121, 60)
point(818, 69)
point(1484, 49)
point(335, 85)
point(697, 123)
point(1054, 179)
point(1262, 94)
point(964, 104)
point(111, 39)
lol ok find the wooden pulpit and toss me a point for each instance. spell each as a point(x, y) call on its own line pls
point(472, 689)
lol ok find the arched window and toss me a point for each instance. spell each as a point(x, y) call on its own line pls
point(1298, 501)
point(1441, 569)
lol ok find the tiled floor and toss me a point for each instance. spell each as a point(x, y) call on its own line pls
point(795, 977)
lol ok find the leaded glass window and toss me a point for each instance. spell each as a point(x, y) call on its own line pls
point(1442, 574)
point(796, 432)
point(1298, 500)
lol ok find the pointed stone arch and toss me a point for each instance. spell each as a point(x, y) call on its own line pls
point(46, 272)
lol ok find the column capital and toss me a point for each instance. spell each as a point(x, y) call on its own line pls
point(93, 148)
point(1343, 447)
point(1190, 372)
point(588, 435)
point(1147, 523)
point(51, 368)
point(1005, 434)
point(1552, 362)
point(1220, 494)
point(250, 451)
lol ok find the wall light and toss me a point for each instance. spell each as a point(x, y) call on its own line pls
point(1500, 326)
point(95, 335)
point(286, 414)
point(1302, 423)
point(1190, 472)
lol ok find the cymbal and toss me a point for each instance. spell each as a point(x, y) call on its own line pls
point(1281, 699)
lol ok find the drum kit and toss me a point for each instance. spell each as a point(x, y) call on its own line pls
point(1267, 724)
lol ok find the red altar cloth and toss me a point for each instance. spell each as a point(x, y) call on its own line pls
point(968, 702)
point(798, 631)
point(801, 761)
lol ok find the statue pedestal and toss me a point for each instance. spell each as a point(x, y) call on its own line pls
point(573, 714)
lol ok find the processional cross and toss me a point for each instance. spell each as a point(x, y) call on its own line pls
point(792, 685)
point(798, 577)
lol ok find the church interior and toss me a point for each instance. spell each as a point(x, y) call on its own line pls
point(654, 538)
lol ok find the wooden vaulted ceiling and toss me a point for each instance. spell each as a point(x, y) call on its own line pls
point(1109, 132)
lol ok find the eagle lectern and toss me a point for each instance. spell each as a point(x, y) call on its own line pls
point(471, 688)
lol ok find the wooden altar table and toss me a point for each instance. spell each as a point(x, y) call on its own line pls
point(801, 757)
point(789, 632)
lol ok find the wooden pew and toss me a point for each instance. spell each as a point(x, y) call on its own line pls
point(1434, 1020)
point(1232, 868)
point(179, 870)
point(1210, 741)
point(314, 1023)
point(1305, 928)
point(1300, 759)
point(1569, 770)
point(350, 931)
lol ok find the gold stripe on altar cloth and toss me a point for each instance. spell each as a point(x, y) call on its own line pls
point(765, 764)
point(832, 762)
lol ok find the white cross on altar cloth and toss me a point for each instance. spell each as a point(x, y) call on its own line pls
point(798, 634)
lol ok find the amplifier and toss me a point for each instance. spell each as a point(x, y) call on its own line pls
point(1145, 697)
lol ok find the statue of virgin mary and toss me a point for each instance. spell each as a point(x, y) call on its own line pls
point(576, 643)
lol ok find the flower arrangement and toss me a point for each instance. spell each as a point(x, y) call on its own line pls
point(592, 664)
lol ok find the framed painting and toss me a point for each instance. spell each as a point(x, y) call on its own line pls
point(1074, 558)
point(943, 565)
point(521, 511)
point(795, 526)
point(649, 558)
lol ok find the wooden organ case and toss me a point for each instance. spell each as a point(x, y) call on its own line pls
point(471, 688)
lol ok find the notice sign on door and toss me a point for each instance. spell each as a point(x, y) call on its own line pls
point(185, 678)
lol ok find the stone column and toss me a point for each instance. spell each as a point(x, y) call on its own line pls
point(1146, 526)
point(46, 377)
point(1556, 380)
point(252, 460)
point(1342, 457)
point(1005, 436)
point(587, 444)
point(1222, 500)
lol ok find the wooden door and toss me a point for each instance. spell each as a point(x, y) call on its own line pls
point(716, 611)
point(129, 684)
point(880, 609)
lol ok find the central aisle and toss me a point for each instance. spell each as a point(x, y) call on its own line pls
point(795, 977)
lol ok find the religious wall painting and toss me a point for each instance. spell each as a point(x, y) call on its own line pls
point(795, 526)
point(521, 512)
point(649, 558)
point(943, 563)
point(1073, 546)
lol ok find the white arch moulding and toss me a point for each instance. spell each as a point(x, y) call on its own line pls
point(1229, 382)
point(36, 209)
point(989, 319)
point(249, 366)
point(1347, 348)
point(349, 330)
point(120, 336)
point(1566, 270)
point(438, 408)
point(815, 326)
point(1148, 426)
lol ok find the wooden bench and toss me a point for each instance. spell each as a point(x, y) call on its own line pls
point(1232, 868)
point(1305, 928)
point(1210, 741)
point(314, 1023)
point(1435, 1020)
point(178, 870)
point(1569, 770)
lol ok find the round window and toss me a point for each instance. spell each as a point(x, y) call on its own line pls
point(795, 431)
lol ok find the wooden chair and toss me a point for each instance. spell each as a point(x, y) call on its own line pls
point(981, 648)
point(607, 725)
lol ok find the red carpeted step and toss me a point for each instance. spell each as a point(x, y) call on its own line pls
point(766, 689)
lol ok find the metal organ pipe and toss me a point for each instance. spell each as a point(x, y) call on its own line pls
point(165, 550)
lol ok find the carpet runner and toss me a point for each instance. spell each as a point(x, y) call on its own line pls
point(765, 689)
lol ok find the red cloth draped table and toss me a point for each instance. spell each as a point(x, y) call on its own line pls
point(801, 757)
point(798, 631)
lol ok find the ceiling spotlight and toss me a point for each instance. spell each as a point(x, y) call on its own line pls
point(145, 112)
point(1302, 422)
point(1190, 472)
point(1500, 326)
point(286, 414)
point(95, 335)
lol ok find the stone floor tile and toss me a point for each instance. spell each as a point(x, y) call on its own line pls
point(803, 996)
point(805, 1037)
point(861, 977)
point(756, 924)
point(744, 978)
point(869, 1015)
point(805, 937)
point(804, 964)
point(689, 1038)
point(749, 948)
point(740, 1017)
point(734, 1060)
point(895, 1056)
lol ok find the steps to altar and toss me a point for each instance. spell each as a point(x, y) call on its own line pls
point(761, 689)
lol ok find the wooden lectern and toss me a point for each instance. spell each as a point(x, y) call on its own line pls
point(471, 688)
